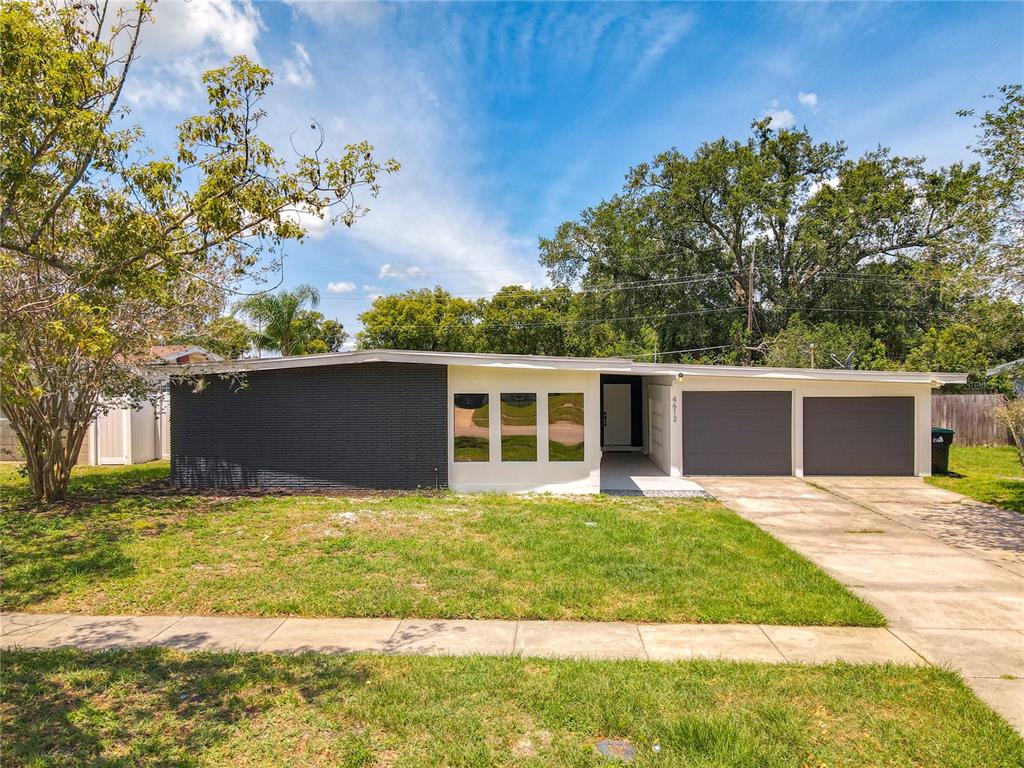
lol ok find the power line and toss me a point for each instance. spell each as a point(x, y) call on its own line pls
point(710, 310)
point(682, 351)
point(601, 288)
point(672, 281)
point(584, 321)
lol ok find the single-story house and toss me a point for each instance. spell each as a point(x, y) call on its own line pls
point(476, 422)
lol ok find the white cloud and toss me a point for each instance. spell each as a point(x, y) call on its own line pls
point(399, 273)
point(183, 40)
point(780, 118)
point(297, 70)
point(317, 227)
point(156, 92)
point(372, 288)
point(342, 286)
point(180, 27)
point(817, 186)
point(668, 32)
point(808, 99)
point(326, 11)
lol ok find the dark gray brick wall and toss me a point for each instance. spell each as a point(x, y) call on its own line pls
point(366, 425)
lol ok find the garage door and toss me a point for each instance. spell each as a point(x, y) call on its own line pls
point(858, 435)
point(737, 433)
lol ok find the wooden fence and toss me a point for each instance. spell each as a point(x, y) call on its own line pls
point(10, 448)
point(971, 417)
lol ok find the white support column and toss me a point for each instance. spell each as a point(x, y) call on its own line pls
point(798, 432)
point(676, 431)
point(923, 433)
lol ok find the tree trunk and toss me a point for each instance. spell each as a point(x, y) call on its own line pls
point(51, 442)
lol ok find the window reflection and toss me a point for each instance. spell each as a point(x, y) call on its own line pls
point(472, 428)
point(565, 426)
point(518, 426)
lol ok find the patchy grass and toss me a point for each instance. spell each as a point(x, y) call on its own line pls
point(161, 707)
point(986, 473)
point(120, 550)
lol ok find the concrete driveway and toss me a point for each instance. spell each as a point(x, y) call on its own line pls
point(947, 572)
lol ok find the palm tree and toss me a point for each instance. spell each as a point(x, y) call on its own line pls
point(278, 317)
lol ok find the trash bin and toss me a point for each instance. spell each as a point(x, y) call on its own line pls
point(942, 438)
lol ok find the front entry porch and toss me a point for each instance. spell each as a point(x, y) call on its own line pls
point(634, 474)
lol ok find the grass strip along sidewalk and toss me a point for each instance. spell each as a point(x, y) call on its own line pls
point(163, 707)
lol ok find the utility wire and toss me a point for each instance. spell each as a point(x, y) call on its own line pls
point(682, 351)
point(667, 282)
point(595, 320)
point(583, 321)
point(600, 288)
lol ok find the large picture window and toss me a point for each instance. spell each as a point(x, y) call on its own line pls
point(472, 428)
point(565, 426)
point(518, 426)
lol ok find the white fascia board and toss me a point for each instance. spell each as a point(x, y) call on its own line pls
point(541, 363)
point(519, 362)
point(822, 374)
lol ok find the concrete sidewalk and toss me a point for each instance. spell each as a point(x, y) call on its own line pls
point(549, 639)
point(949, 585)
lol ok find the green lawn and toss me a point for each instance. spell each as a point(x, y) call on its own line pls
point(120, 549)
point(154, 707)
point(990, 474)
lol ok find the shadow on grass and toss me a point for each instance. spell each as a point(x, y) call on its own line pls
point(150, 705)
point(88, 485)
point(43, 549)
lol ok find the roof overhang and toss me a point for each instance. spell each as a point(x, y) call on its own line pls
point(1013, 365)
point(545, 363)
point(935, 379)
point(170, 357)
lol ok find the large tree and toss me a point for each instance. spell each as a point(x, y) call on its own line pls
point(722, 245)
point(1001, 145)
point(106, 246)
point(518, 320)
point(427, 319)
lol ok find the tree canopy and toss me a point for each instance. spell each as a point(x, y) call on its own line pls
point(285, 322)
point(107, 245)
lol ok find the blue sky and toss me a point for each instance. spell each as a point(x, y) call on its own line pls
point(510, 118)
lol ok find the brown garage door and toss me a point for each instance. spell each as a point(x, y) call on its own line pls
point(858, 435)
point(737, 433)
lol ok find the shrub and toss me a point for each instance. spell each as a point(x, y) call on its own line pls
point(1011, 414)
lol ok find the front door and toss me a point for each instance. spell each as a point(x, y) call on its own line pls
point(618, 415)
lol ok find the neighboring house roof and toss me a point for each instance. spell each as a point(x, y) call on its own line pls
point(1003, 367)
point(541, 362)
point(173, 353)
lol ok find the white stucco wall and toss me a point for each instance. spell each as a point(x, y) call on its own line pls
point(800, 389)
point(523, 476)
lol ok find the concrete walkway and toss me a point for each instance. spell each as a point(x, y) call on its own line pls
point(549, 639)
point(945, 571)
point(634, 474)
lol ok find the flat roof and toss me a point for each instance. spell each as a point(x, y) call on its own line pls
point(546, 363)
